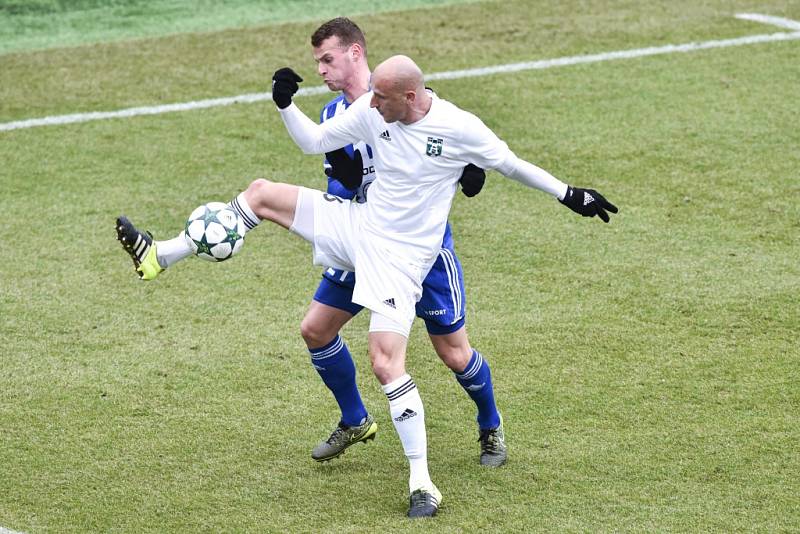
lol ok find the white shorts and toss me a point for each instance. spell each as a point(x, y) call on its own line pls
point(386, 281)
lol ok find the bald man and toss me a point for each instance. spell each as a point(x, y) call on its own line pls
point(391, 241)
point(339, 48)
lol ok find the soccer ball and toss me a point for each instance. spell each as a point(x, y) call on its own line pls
point(215, 231)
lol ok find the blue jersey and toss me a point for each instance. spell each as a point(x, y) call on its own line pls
point(335, 187)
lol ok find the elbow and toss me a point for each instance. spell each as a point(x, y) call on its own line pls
point(308, 146)
point(305, 146)
point(510, 167)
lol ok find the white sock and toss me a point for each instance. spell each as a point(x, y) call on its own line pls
point(240, 206)
point(408, 416)
point(176, 249)
point(172, 251)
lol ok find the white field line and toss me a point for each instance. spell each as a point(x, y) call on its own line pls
point(767, 19)
point(448, 75)
point(609, 56)
point(6, 531)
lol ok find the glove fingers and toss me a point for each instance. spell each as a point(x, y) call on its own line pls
point(287, 73)
point(603, 202)
point(610, 207)
point(602, 214)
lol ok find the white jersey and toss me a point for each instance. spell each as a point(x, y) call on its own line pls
point(417, 168)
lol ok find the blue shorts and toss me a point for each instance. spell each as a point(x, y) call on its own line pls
point(442, 305)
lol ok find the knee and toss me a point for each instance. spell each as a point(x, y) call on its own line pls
point(314, 333)
point(383, 369)
point(386, 367)
point(387, 354)
point(257, 193)
point(456, 358)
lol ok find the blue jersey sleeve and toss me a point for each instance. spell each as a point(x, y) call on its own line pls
point(335, 187)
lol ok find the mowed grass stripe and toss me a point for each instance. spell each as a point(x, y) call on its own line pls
point(448, 75)
point(43, 24)
point(193, 67)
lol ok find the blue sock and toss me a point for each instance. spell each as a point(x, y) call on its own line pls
point(476, 379)
point(336, 368)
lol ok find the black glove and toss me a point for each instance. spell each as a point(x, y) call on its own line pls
point(588, 203)
point(472, 179)
point(284, 86)
point(349, 171)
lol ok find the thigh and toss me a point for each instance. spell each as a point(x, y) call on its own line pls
point(330, 224)
point(387, 282)
point(273, 201)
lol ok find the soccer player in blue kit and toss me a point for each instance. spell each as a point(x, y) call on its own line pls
point(339, 47)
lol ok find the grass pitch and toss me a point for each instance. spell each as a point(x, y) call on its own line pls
point(646, 369)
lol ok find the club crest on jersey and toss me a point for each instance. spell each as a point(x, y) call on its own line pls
point(434, 147)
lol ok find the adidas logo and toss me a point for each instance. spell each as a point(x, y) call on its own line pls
point(587, 198)
point(408, 414)
point(385, 136)
point(390, 303)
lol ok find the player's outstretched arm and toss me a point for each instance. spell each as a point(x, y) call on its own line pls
point(490, 152)
point(586, 202)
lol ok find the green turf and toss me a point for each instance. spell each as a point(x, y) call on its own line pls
point(646, 369)
point(40, 24)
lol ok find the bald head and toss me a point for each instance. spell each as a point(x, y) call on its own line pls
point(401, 72)
point(399, 90)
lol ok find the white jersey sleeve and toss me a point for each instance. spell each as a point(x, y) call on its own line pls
point(480, 145)
point(488, 151)
point(336, 132)
point(529, 174)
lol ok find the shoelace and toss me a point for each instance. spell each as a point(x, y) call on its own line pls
point(335, 435)
point(488, 440)
point(419, 498)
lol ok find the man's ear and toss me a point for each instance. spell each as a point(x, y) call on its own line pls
point(356, 51)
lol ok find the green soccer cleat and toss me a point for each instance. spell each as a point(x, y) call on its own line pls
point(424, 502)
point(493, 445)
point(140, 247)
point(342, 437)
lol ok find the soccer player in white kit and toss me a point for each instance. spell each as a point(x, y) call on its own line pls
point(340, 49)
point(422, 143)
point(392, 240)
